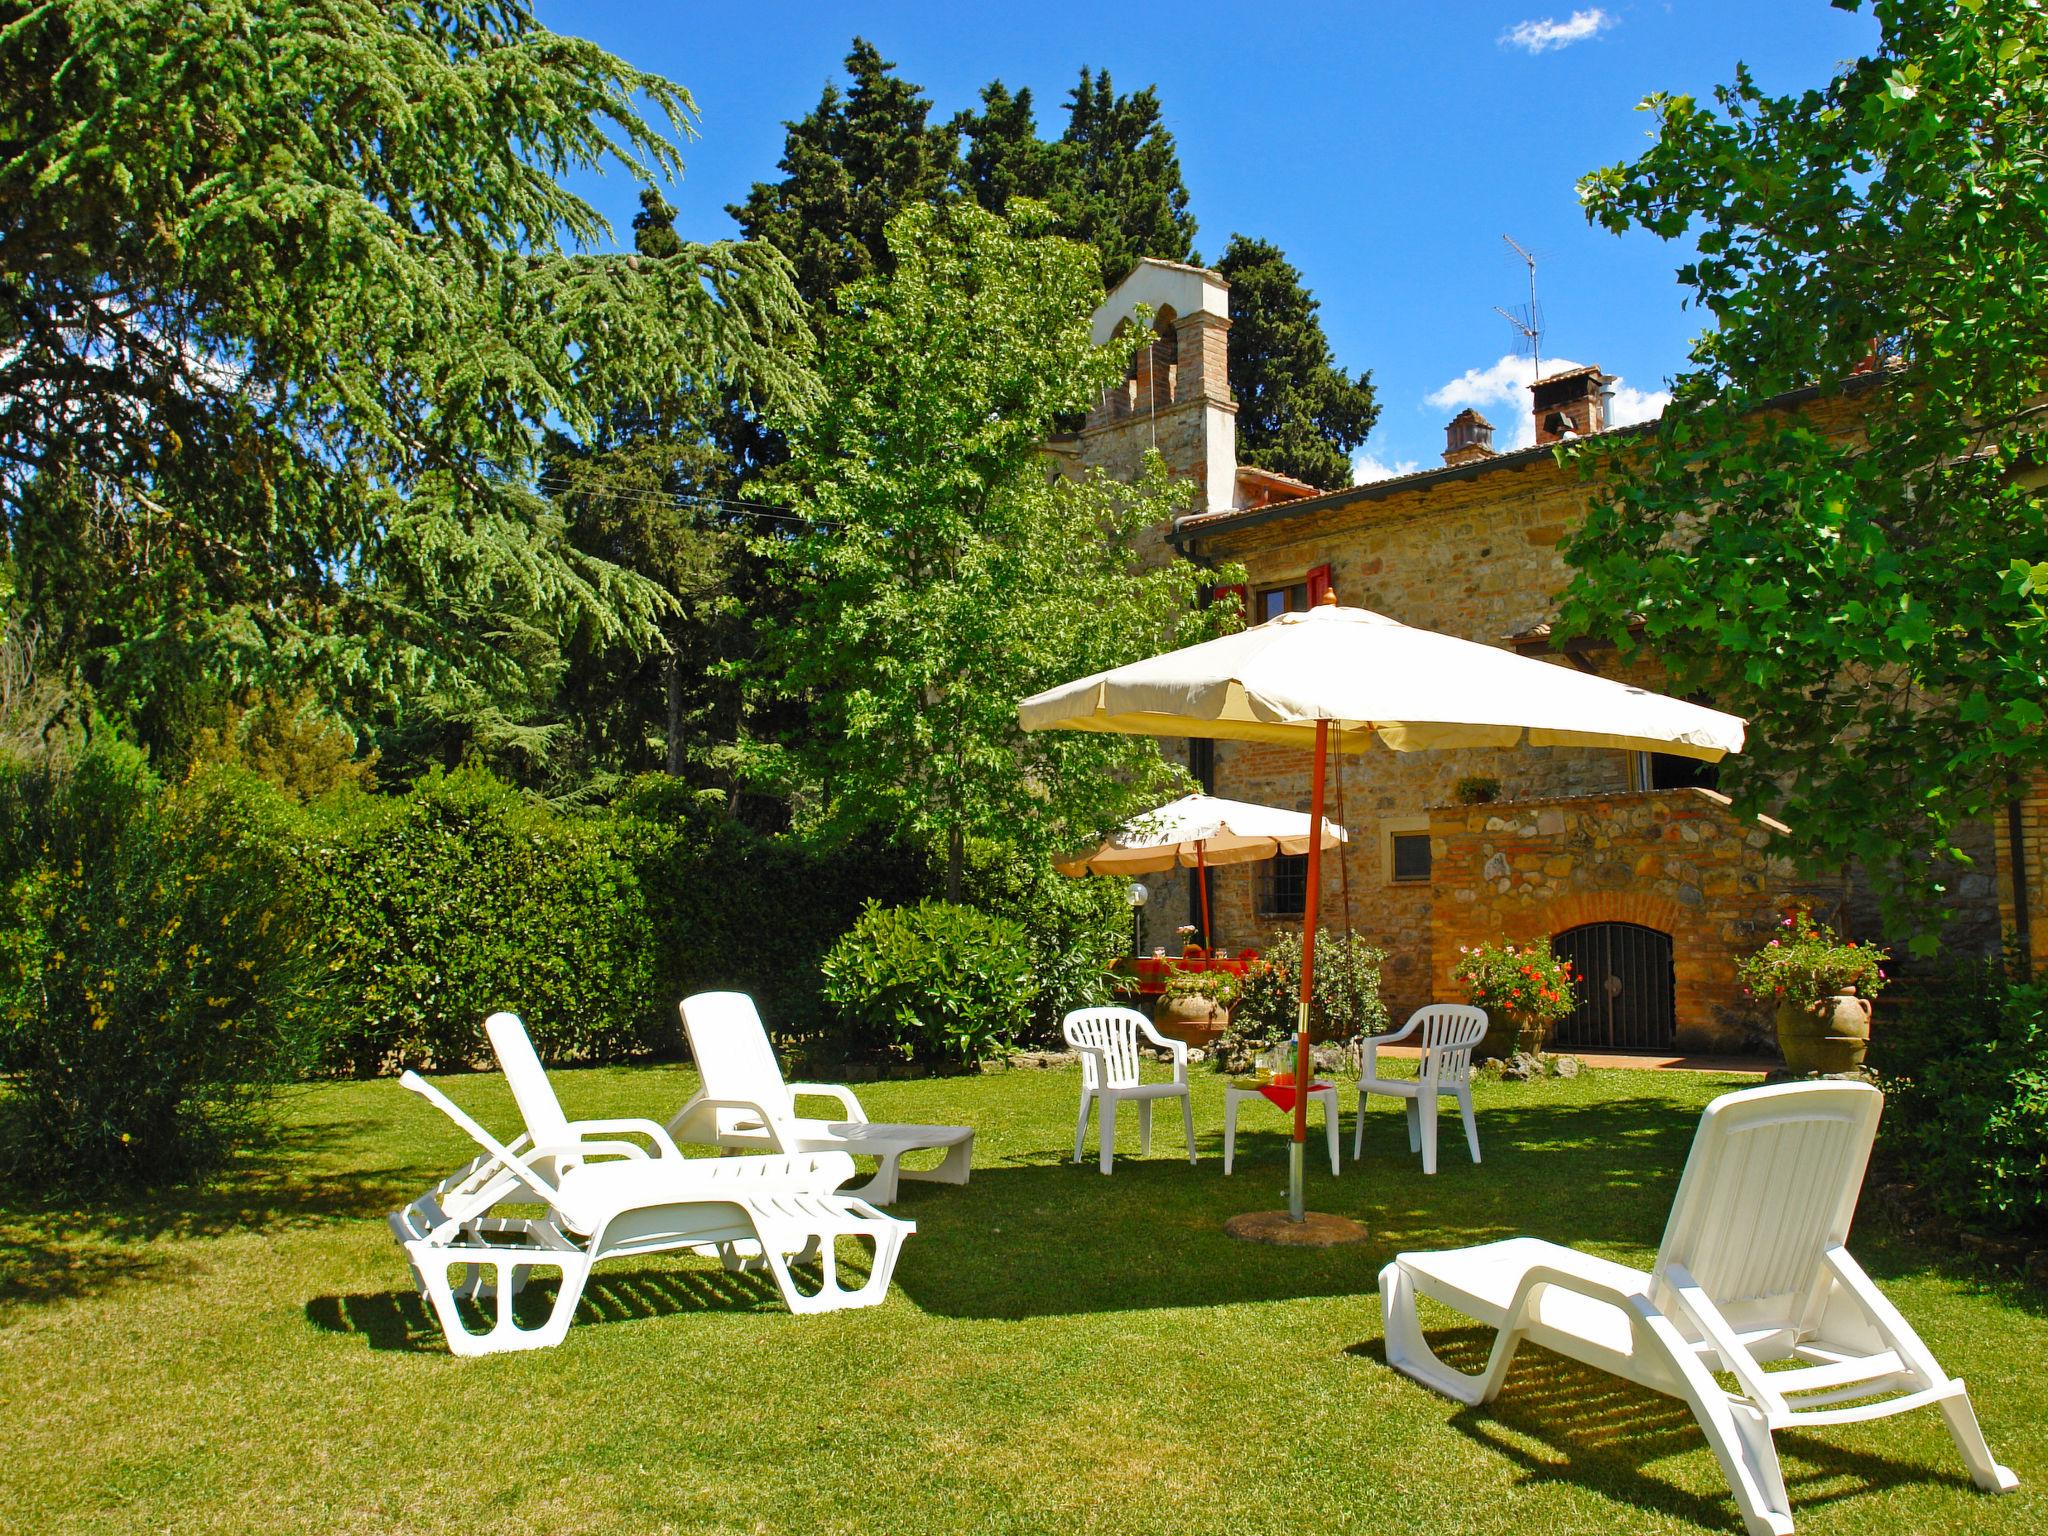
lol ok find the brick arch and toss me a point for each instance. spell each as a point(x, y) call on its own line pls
point(1646, 909)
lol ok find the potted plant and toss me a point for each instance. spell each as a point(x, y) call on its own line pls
point(1195, 1006)
point(1476, 789)
point(1821, 985)
point(1525, 990)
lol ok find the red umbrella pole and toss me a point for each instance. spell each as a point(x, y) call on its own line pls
point(1202, 875)
point(1297, 1204)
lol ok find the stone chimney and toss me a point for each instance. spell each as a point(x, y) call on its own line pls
point(1570, 404)
point(1468, 438)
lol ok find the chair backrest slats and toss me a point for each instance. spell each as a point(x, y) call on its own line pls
point(1448, 1032)
point(1112, 1031)
point(734, 1056)
point(1770, 1186)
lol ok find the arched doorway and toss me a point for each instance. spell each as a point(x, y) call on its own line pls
point(1627, 991)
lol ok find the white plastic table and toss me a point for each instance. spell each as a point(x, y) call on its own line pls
point(1320, 1092)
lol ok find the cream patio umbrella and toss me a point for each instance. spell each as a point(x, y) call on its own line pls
point(1195, 832)
point(1342, 678)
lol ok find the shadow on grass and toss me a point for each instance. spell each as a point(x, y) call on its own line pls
point(1560, 1421)
point(402, 1320)
point(58, 1250)
point(1049, 1237)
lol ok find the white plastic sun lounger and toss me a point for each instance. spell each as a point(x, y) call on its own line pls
point(605, 1195)
point(745, 1104)
point(1752, 1271)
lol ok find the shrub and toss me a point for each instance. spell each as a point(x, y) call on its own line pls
point(933, 982)
point(1346, 1000)
point(463, 897)
point(1076, 928)
point(733, 910)
point(154, 974)
point(1810, 961)
point(1965, 1072)
point(1219, 987)
point(1524, 983)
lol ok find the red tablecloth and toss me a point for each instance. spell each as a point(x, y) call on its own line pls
point(1282, 1094)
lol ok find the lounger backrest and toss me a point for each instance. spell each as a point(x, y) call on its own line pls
point(733, 1055)
point(1447, 1034)
point(528, 1080)
point(1114, 1033)
point(1770, 1186)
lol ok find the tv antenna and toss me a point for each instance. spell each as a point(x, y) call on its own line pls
point(1527, 319)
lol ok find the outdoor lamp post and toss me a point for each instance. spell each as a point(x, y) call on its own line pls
point(1137, 896)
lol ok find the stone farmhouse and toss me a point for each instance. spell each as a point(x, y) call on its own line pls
point(1629, 863)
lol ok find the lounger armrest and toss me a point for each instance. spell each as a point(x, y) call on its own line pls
point(701, 1106)
point(664, 1144)
point(854, 1112)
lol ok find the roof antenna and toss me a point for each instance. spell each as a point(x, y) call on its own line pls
point(1526, 319)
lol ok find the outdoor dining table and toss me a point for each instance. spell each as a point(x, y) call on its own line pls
point(1280, 1095)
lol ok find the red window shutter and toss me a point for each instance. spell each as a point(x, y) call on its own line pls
point(1318, 584)
point(1235, 593)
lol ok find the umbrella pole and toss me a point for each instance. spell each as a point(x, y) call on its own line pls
point(1297, 1203)
point(1202, 875)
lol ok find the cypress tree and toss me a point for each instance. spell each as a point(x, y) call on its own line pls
point(1297, 412)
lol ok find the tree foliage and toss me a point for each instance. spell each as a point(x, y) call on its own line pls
point(849, 166)
point(290, 293)
point(1872, 601)
point(1297, 412)
point(946, 571)
point(1112, 179)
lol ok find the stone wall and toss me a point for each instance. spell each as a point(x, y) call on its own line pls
point(1675, 861)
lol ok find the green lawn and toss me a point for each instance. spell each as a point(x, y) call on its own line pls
point(1063, 1352)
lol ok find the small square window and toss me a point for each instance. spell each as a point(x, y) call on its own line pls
point(1411, 856)
point(1283, 886)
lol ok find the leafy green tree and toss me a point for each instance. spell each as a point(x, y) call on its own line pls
point(945, 573)
point(1297, 412)
point(1873, 602)
point(288, 295)
point(859, 158)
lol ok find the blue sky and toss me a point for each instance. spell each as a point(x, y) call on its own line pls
point(1385, 147)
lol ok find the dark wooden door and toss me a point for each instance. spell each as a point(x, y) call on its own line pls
point(1626, 988)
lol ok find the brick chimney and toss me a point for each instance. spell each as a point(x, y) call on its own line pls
point(1468, 438)
point(1570, 404)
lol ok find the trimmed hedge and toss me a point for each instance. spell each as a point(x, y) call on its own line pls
point(463, 897)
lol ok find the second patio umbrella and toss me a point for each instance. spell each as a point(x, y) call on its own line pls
point(1195, 832)
point(1344, 678)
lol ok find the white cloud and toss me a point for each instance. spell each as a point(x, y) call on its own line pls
point(1366, 467)
point(1504, 386)
point(1542, 36)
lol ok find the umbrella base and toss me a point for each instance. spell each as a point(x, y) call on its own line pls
point(1316, 1229)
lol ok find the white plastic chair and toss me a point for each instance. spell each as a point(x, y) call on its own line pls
point(744, 1104)
point(1752, 1271)
point(1106, 1039)
point(1449, 1031)
point(607, 1195)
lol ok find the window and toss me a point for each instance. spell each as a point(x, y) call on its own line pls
point(1667, 770)
point(1404, 850)
point(1283, 886)
point(1411, 856)
point(1274, 601)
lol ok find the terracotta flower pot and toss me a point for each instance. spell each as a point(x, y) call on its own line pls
point(1508, 1032)
point(1829, 1035)
point(1196, 1020)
